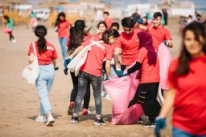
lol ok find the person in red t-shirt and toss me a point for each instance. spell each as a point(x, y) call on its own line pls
point(91, 71)
point(127, 44)
point(47, 55)
point(187, 83)
point(158, 31)
point(102, 27)
point(148, 65)
point(107, 20)
point(77, 37)
point(63, 27)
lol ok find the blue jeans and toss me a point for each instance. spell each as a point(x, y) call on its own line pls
point(43, 85)
point(180, 133)
point(63, 42)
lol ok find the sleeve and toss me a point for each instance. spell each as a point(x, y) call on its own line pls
point(135, 67)
point(141, 55)
point(167, 35)
point(31, 50)
point(118, 43)
point(171, 80)
point(109, 53)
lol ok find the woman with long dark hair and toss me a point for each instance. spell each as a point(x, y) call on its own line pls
point(187, 83)
point(9, 29)
point(101, 27)
point(93, 74)
point(77, 37)
point(47, 55)
point(63, 26)
point(147, 90)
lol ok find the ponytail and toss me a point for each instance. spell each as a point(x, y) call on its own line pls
point(41, 32)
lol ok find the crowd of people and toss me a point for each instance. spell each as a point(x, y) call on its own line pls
point(113, 53)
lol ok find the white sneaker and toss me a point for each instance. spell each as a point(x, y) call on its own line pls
point(50, 120)
point(41, 118)
point(14, 41)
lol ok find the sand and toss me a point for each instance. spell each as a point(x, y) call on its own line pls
point(19, 103)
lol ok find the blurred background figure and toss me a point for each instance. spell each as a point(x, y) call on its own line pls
point(9, 28)
point(33, 21)
point(165, 16)
point(63, 27)
point(107, 19)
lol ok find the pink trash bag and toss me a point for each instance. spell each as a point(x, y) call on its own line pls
point(165, 58)
point(121, 91)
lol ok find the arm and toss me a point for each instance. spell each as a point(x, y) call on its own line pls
point(117, 51)
point(108, 66)
point(76, 52)
point(31, 58)
point(142, 27)
point(170, 44)
point(54, 63)
point(169, 101)
point(134, 68)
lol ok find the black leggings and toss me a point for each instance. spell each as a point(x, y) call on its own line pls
point(11, 36)
point(75, 91)
point(146, 95)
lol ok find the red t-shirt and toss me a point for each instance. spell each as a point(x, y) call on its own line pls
point(130, 46)
point(46, 57)
point(149, 73)
point(190, 99)
point(63, 29)
point(95, 57)
point(159, 35)
point(97, 36)
point(108, 22)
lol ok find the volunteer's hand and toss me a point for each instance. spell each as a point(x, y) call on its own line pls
point(160, 124)
point(119, 72)
point(66, 62)
point(126, 74)
point(56, 68)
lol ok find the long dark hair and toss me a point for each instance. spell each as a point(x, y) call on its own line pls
point(108, 33)
point(76, 38)
point(58, 21)
point(184, 59)
point(145, 40)
point(41, 32)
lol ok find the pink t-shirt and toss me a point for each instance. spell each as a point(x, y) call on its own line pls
point(149, 73)
point(63, 29)
point(95, 57)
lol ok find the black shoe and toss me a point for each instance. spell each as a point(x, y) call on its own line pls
point(74, 120)
point(99, 122)
point(150, 125)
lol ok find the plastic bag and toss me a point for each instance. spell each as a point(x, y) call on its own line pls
point(121, 91)
point(164, 61)
point(80, 58)
point(31, 71)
